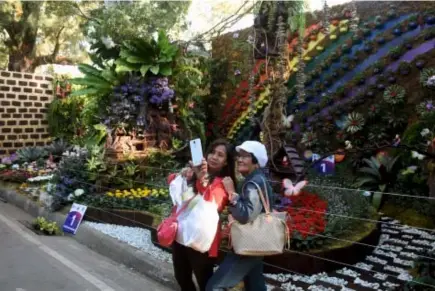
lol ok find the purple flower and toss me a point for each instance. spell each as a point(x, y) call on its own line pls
point(429, 105)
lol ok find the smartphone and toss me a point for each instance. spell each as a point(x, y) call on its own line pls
point(196, 151)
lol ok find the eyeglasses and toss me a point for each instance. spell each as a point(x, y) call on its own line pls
point(244, 157)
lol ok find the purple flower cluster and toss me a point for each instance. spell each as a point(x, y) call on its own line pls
point(125, 106)
point(158, 90)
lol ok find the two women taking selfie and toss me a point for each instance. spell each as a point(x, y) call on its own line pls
point(213, 184)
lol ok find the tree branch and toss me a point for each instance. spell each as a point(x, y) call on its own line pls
point(224, 22)
point(77, 6)
point(57, 44)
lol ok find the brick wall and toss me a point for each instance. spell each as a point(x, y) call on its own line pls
point(24, 99)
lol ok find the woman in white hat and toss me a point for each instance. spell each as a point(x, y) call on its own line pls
point(244, 207)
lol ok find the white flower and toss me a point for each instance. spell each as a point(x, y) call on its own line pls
point(79, 192)
point(15, 167)
point(70, 197)
point(431, 81)
point(40, 178)
point(236, 35)
point(108, 42)
point(367, 193)
point(425, 132)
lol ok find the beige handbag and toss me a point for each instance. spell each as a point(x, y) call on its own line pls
point(267, 235)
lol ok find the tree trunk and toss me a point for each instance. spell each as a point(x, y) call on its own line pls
point(19, 62)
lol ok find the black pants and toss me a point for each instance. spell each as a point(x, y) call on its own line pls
point(186, 262)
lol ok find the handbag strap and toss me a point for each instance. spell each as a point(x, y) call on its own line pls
point(264, 201)
point(185, 205)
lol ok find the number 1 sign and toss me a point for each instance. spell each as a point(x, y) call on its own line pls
point(326, 166)
point(74, 218)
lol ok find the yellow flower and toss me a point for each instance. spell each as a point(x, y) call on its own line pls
point(118, 195)
point(109, 194)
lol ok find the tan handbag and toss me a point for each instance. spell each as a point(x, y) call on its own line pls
point(267, 235)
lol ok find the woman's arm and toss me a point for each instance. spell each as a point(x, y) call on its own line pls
point(246, 207)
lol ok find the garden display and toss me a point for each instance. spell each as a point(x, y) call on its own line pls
point(343, 101)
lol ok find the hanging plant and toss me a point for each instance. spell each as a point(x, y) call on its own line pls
point(373, 111)
point(394, 94)
point(354, 122)
point(309, 139)
point(425, 108)
point(393, 119)
point(427, 78)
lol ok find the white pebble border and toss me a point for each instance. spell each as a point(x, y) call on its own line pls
point(141, 239)
point(134, 236)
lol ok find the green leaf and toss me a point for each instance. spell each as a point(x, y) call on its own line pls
point(365, 180)
point(123, 66)
point(137, 60)
point(89, 70)
point(155, 69)
point(377, 199)
point(83, 92)
point(144, 69)
point(109, 75)
point(165, 70)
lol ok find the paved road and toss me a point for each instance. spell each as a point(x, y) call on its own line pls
point(29, 262)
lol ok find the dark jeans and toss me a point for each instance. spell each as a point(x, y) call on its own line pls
point(186, 262)
point(236, 268)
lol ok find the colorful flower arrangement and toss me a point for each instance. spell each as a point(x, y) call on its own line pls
point(307, 214)
point(139, 193)
point(354, 122)
point(394, 94)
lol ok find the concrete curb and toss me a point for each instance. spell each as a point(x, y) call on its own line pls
point(107, 246)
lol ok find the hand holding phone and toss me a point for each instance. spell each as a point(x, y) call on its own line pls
point(196, 152)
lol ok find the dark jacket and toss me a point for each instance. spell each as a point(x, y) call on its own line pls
point(247, 205)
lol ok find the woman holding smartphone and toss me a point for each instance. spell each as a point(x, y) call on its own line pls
point(218, 163)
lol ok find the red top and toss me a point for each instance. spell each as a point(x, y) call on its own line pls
point(217, 191)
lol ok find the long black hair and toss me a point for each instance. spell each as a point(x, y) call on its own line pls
point(229, 169)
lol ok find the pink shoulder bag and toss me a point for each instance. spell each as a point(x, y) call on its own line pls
point(167, 230)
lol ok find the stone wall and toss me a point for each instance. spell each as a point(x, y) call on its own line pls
point(24, 99)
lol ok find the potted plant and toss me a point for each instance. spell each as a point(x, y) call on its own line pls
point(345, 48)
point(412, 24)
point(359, 79)
point(404, 68)
point(380, 40)
point(368, 47)
point(420, 63)
point(340, 92)
point(397, 30)
point(379, 22)
point(391, 79)
point(335, 56)
point(336, 73)
point(430, 19)
point(395, 53)
point(366, 32)
point(380, 87)
point(370, 93)
point(394, 94)
point(391, 14)
point(378, 67)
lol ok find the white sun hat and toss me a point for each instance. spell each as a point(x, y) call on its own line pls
point(257, 149)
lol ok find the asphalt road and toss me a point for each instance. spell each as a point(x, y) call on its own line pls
point(29, 262)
